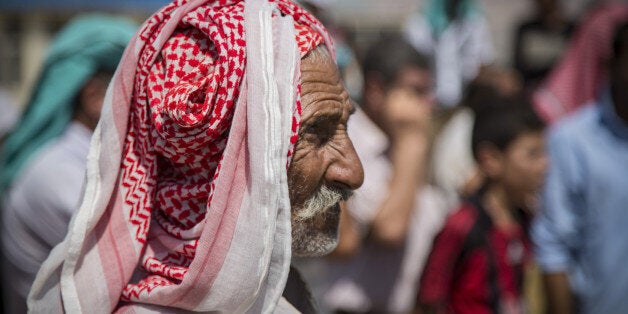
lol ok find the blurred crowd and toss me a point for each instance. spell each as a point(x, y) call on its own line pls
point(488, 188)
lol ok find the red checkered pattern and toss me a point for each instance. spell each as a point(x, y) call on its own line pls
point(183, 105)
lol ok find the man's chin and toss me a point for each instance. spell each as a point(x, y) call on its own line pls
point(323, 246)
point(317, 236)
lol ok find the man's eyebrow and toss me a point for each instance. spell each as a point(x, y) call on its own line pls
point(323, 118)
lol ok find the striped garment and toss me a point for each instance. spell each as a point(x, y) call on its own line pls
point(581, 74)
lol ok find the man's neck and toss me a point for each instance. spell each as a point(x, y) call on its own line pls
point(298, 294)
point(84, 119)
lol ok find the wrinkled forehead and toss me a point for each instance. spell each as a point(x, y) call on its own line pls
point(321, 86)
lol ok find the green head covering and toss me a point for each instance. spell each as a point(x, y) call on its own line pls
point(84, 46)
point(436, 13)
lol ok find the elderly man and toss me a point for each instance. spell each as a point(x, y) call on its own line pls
point(221, 151)
point(43, 161)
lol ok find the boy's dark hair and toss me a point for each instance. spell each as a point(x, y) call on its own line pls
point(389, 55)
point(502, 120)
point(479, 94)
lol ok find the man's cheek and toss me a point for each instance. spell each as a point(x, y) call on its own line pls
point(297, 188)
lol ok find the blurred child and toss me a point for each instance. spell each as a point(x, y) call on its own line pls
point(453, 166)
point(477, 259)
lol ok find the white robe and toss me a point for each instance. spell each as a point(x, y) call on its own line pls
point(38, 206)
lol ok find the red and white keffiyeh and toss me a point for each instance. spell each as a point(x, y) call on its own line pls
point(186, 203)
point(577, 79)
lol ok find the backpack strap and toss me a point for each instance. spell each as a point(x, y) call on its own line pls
point(494, 295)
point(478, 237)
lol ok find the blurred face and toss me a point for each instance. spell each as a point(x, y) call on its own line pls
point(407, 102)
point(416, 81)
point(405, 99)
point(524, 164)
point(325, 167)
point(91, 99)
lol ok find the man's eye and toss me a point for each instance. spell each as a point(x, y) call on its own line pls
point(318, 134)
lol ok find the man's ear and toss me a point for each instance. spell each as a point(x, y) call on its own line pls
point(490, 159)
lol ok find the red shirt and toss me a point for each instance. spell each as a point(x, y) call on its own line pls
point(461, 284)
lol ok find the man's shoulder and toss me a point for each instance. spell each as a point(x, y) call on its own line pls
point(48, 167)
point(577, 124)
point(52, 158)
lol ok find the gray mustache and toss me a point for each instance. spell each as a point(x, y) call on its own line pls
point(324, 199)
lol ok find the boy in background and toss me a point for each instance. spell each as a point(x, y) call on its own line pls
point(477, 260)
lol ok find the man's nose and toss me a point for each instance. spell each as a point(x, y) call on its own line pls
point(346, 172)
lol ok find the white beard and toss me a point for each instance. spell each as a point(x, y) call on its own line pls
point(315, 226)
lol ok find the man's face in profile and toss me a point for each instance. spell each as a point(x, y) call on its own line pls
point(325, 167)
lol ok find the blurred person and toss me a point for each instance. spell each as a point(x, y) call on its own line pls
point(540, 41)
point(346, 58)
point(387, 227)
point(580, 75)
point(477, 260)
point(454, 168)
point(455, 34)
point(580, 234)
point(221, 152)
point(44, 157)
